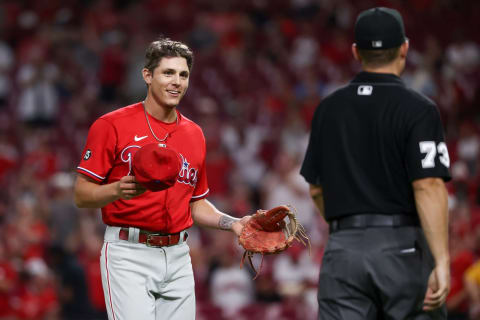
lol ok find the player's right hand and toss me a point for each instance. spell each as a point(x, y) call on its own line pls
point(438, 287)
point(128, 188)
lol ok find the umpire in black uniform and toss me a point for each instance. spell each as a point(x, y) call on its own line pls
point(376, 164)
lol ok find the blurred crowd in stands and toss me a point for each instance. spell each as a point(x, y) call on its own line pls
point(261, 67)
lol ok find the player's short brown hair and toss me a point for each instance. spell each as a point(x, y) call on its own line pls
point(378, 58)
point(167, 48)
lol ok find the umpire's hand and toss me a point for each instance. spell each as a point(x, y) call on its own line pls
point(438, 287)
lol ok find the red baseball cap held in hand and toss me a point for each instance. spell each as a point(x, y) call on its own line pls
point(156, 167)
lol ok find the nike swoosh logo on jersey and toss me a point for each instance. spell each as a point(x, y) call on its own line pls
point(139, 138)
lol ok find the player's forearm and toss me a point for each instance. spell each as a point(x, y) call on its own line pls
point(205, 214)
point(316, 192)
point(91, 195)
point(432, 206)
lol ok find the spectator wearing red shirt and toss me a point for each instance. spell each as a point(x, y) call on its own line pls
point(37, 298)
point(8, 283)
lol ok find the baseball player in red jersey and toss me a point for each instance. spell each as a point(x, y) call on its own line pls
point(145, 262)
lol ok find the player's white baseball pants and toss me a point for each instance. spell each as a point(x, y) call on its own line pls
point(141, 282)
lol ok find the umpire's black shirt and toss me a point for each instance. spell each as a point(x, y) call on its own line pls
point(369, 141)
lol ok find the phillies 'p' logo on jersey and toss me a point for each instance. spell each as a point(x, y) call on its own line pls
point(127, 156)
point(187, 175)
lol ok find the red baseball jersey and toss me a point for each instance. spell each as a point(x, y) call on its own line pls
point(112, 142)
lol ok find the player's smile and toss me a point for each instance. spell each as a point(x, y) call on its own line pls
point(172, 97)
point(174, 93)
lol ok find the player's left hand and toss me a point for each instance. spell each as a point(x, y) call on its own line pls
point(238, 225)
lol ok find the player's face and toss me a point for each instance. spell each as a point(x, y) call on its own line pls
point(169, 81)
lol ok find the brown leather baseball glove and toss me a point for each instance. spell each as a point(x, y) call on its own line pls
point(270, 232)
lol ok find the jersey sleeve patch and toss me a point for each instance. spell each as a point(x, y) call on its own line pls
point(99, 152)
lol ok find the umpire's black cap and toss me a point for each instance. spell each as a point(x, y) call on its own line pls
point(379, 28)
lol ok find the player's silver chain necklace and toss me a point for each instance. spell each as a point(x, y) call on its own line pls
point(150, 127)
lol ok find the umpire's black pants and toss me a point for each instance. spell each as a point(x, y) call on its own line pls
point(376, 273)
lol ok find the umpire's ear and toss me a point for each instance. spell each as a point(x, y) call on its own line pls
point(355, 52)
point(404, 49)
point(147, 76)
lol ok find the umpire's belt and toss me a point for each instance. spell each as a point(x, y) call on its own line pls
point(360, 221)
point(152, 239)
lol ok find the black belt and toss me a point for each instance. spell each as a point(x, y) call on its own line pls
point(360, 221)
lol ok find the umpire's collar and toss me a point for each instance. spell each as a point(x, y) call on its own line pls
point(372, 77)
